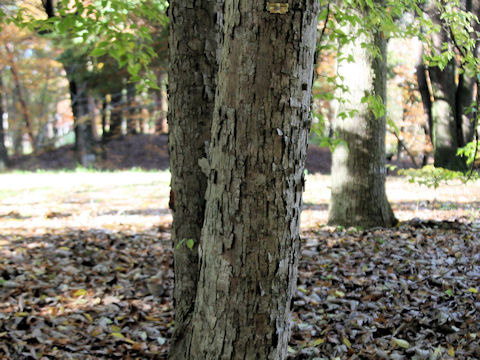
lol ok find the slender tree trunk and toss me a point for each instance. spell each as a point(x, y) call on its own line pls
point(250, 237)
point(160, 120)
point(3, 148)
point(425, 94)
point(116, 116)
point(21, 99)
point(358, 166)
point(193, 48)
point(82, 123)
point(133, 124)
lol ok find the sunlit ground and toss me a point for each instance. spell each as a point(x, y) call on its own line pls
point(35, 202)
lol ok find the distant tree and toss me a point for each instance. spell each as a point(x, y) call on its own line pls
point(3, 149)
point(452, 89)
point(358, 195)
point(75, 63)
point(24, 110)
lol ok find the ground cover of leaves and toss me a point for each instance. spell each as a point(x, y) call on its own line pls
point(85, 273)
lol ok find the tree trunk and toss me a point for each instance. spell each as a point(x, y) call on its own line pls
point(82, 123)
point(451, 128)
point(250, 237)
point(193, 48)
point(21, 99)
point(116, 116)
point(3, 148)
point(161, 107)
point(358, 166)
point(132, 113)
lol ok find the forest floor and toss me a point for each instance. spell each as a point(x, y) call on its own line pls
point(77, 250)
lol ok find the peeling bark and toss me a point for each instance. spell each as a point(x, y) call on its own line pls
point(193, 49)
point(250, 238)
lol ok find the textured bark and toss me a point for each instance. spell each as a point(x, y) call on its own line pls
point(250, 236)
point(358, 166)
point(193, 46)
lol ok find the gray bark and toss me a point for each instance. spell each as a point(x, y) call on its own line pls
point(358, 165)
point(193, 47)
point(250, 237)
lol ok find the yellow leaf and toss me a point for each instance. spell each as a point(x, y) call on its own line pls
point(64, 248)
point(79, 292)
point(116, 329)
point(402, 343)
point(21, 314)
point(96, 332)
point(451, 352)
point(339, 293)
point(153, 318)
point(472, 290)
point(118, 335)
point(347, 342)
point(318, 342)
point(130, 341)
point(88, 316)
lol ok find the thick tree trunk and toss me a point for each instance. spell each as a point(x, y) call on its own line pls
point(3, 148)
point(358, 166)
point(250, 238)
point(451, 128)
point(193, 50)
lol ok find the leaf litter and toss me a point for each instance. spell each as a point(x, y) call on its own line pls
point(95, 281)
point(410, 292)
point(84, 295)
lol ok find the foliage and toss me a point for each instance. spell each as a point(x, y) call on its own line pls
point(470, 151)
point(117, 28)
point(431, 176)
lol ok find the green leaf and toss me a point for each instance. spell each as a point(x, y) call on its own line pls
point(190, 243)
point(98, 52)
point(402, 343)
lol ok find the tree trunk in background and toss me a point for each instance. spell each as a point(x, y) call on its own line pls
point(3, 148)
point(116, 116)
point(20, 96)
point(160, 119)
point(82, 122)
point(450, 127)
point(193, 47)
point(250, 239)
point(358, 167)
point(133, 123)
